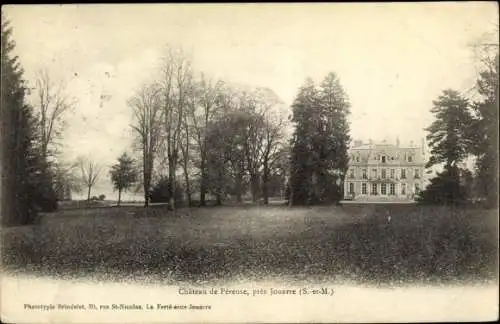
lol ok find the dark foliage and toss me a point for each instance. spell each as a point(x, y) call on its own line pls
point(27, 183)
point(446, 188)
point(319, 144)
point(162, 191)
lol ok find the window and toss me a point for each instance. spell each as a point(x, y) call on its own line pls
point(393, 172)
point(417, 188)
point(403, 173)
point(364, 174)
point(363, 188)
point(383, 159)
point(351, 188)
point(392, 189)
point(383, 189)
point(403, 188)
point(357, 158)
point(374, 188)
point(352, 173)
point(417, 175)
point(384, 173)
point(410, 159)
point(374, 173)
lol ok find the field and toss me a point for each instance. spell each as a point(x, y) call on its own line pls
point(369, 244)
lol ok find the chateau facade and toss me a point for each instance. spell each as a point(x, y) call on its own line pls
point(384, 172)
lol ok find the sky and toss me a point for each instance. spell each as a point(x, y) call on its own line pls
point(393, 59)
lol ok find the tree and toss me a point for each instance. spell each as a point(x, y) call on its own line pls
point(319, 143)
point(448, 134)
point(273, 153)
point(199, 115)
point(123, 174)
point(175, 86)
point(23, 170)
point(90, 172)
point(301, 162)
point(484, 132)
point(450, 142)
point(51, 105)
point(148, 114)
point(335, 137)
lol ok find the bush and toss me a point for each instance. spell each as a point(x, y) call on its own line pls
point(161, 192)
point(102, 197)
point(45, 199)
point(444, 189)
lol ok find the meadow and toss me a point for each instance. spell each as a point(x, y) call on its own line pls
point(368, 244)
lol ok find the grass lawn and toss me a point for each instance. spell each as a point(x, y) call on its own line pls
point(200, 245)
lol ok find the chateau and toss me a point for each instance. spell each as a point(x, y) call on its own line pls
point(384, 172)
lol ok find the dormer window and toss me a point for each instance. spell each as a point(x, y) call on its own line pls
point(357, 158)
point(383, 159)
point(410, 159)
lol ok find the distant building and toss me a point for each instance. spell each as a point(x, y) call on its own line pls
point(384, 172)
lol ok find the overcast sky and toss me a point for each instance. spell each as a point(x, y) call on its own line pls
point(392, 59)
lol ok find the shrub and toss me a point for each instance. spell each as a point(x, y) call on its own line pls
point(161, 192)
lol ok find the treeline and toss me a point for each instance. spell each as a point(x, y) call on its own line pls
point(464, 128)
point(198, 136)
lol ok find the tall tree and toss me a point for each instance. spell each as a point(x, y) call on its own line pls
point(199, 116)
point(22, 168)
point(175, 85)
point(148, 114)
point(123, 174)
point(304, 109)
point(449, 141)
point(320, 142)
point(485, 129)
point(273, 152)
point(335, 139)
point(51, 106)
point(90, 173)
point(448, 134)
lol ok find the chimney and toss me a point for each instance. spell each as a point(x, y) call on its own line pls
point(397, 141)
point(370, 141)
point(358, 143)
point(411, 143)
point(422, 147)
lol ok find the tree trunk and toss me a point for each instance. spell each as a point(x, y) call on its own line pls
point(188, 190)
point(88, 195)
point(254, 178)
point(219, 189)
point(119, 196)
point(203, 185)
point(171, 180)
point(238, 186)
point(265, 184)
point(188, 185)
point(147, 182)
